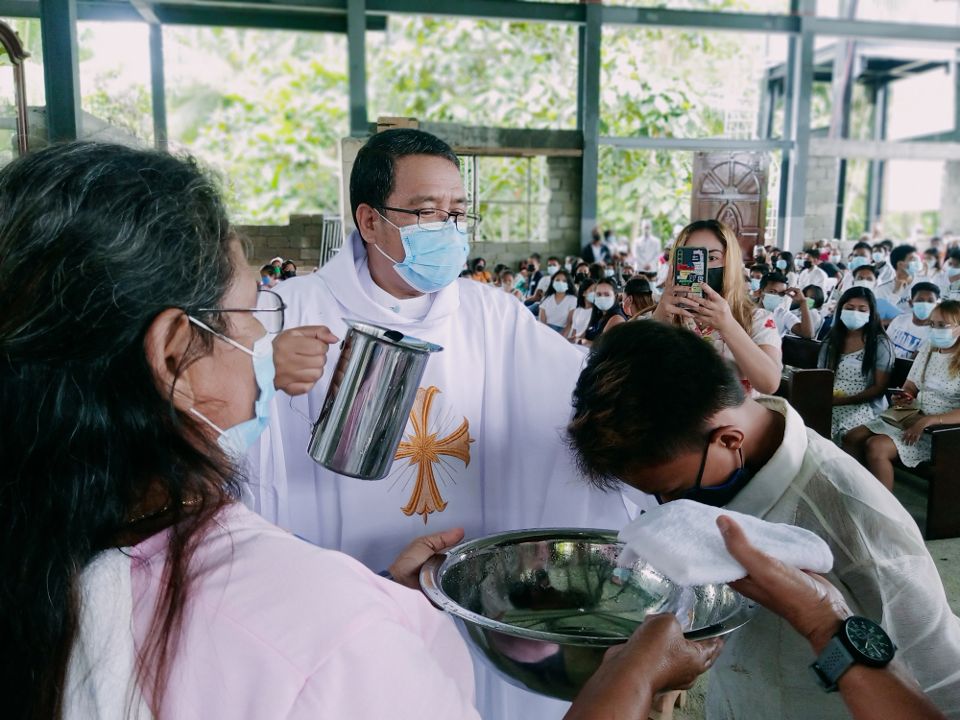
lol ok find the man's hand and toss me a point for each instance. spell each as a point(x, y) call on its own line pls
point(299, 355)
point(406, 568)
point(813, 606)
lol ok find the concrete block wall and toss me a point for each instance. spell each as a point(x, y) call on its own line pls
point(564, 175)
point(298, 240)
point(950, 198)
point(821, 198)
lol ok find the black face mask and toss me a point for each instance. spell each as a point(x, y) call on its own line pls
point(716, 495)
point(580, 277)
point(287, 274)
point(715, 279)
point(531, 268)
point(807, 264)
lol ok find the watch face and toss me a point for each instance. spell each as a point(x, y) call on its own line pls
point(870, 640)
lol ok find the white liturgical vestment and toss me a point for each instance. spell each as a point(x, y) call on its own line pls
point(492, 406)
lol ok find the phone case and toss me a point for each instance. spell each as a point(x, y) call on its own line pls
point(690, 269)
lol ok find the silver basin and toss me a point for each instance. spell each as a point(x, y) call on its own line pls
point(543, 606)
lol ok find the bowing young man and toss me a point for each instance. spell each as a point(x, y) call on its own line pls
point(699, 437)
point(484, 448)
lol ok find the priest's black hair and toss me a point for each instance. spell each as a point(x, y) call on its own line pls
point(372, 177)
point(645, 396)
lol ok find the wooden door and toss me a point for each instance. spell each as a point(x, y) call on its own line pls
point(732, 187)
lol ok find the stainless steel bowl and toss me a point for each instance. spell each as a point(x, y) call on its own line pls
point(543, 606)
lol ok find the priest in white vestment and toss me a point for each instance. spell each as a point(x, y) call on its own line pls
point(485, 448)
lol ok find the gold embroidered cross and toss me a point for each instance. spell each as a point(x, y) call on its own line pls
point(423, 449)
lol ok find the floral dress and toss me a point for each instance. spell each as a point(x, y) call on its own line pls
point(939, 393)
point(850, 380)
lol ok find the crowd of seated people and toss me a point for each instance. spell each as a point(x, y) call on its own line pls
point(867, 306)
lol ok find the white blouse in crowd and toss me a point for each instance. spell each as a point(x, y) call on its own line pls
point(763, 331)
point(557, 312)
point(580, 323)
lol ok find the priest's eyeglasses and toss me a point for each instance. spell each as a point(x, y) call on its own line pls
point(433, 219)
point(269, 310)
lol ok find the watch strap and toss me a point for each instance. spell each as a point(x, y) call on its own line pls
point(832, 663)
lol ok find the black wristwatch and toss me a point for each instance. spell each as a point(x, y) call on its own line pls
point(859, 640)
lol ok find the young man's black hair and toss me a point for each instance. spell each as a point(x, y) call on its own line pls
point(624, 413)
point(372, 177)
point(899, 254)
point(924, 287)
point(861, 245)
point(773, 277)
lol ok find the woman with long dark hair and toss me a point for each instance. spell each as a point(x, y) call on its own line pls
point(607, 312)
point(861, 357)
point(559, 302)
point(132, 582)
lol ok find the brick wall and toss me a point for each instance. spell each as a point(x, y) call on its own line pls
point(298, 240)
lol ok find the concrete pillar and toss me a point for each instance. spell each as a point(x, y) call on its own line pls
point(564, 175)
point(950, 198)
point(821, 206)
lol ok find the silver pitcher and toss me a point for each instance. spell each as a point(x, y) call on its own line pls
point(369, 400)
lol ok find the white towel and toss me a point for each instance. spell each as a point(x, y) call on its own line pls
point(100, 676)
point(681, 540)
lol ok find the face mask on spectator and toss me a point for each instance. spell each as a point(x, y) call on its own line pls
point(553, 270)
point(580, 277)
point(871, 284)
point(879, 256)
point(772, 301)
point(608, 273)
point(942, 338)
point(932, 263)
point(854, 319)
point(913, 267)
point(591, 297)
point(835, 259)
point(604, 302)
point(810, 302)
point(953, 272)
point(754, 284)
point(781, 264)
point(858, 261)
point(560, 287)
point(922, 310)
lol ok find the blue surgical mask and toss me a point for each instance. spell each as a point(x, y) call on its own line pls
point(433, 258)
point(560, 287)
point(942, 338)
point(781, 264)
point(857, 261)
point(716, 495)
point(913, 267)
point(608, 273)
point(604, 302)
point(879, 256)
point(236, 440)
point(922, 310)
point(771, 302)
point(552, 270)
point(591, 297)
point(754, 284)
point(854, 319)
point(952, 271)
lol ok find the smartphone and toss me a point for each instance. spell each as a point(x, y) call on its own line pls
point(690, 269)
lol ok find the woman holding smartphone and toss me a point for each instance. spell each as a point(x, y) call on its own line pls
point(724, 316)
point(932, 387)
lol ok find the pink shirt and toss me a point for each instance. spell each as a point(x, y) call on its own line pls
point(278, 628)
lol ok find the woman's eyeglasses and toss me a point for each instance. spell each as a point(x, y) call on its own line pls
point(269, 310)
